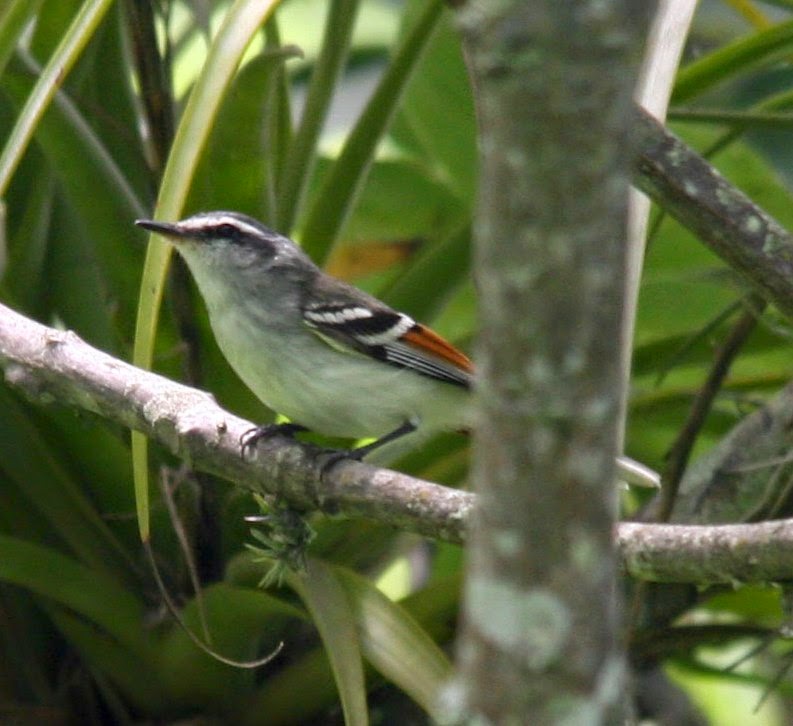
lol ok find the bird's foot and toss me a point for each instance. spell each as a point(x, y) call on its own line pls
point(328, 458)
point(253, 436)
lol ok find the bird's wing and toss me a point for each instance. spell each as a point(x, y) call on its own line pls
point(351, 320)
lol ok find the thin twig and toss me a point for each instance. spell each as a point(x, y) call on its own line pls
point(200, 644)
point(680, 451)
point(723, 217)
point(53, 365)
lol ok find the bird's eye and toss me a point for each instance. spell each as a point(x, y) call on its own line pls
point(228, 231)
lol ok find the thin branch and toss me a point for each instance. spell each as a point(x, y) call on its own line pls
point(56, 366)
point(681, 449)
point(731, 117)
point(656, 644)
point(52, 365)
point(153, 75)
point(724, 218)
point(734, 553)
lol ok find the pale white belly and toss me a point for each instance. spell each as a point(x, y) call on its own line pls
point(332, 392)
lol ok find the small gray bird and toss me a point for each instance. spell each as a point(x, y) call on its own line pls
point(330, 357)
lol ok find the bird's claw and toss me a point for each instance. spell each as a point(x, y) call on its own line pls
point(251, 437)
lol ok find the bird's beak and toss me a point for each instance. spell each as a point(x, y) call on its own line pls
point(164, 228)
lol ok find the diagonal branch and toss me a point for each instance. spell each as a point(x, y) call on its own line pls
point(52, 365)
point(724, 218)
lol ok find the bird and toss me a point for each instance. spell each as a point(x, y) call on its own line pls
point(330, 357)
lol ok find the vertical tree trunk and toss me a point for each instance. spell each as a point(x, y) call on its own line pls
point(554, 82)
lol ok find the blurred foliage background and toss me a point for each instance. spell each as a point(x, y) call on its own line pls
point(350, 125)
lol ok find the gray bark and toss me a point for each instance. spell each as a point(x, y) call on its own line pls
point(54, 366)
point(726, 220)
point(553, 82)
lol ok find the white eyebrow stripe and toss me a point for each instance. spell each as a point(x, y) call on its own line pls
point(200, 224)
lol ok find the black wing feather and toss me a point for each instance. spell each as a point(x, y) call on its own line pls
point(359, 322)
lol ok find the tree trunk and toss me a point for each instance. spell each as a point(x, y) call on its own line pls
point(539, 632)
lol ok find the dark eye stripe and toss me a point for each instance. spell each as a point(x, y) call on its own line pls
point(229, 231)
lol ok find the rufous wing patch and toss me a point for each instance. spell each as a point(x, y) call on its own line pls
point(425, 339)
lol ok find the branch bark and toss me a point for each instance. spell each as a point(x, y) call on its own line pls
point(55, 366)
point(723, 217)
point(553, 84)
point(705, 555)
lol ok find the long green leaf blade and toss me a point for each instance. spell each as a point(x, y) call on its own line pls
point(54, 494)
point(731, 59)
point(135, 676)
point(79, 588)
point(239, 26)
point(395, 644)
point(65, 56)
point(13, 19)
point(431, 278)
point(334, 617)
point(301, 155)
point(339, 190)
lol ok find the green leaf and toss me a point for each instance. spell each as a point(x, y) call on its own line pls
point(236, 168)
point(301, 155)
point(83, 590)
point(44, 480)
point(65, 56)
point(25, 273)
point(13, 19)
point(98, 191)
point(433, 276)
point(243, 623)
point(303, 688)
point(400, 200)
point(137, 678)
point(78, 293)
point(727, 698)
point(333, 615)
point(278, 124)
point(292, 695)
point(395, 644)
point(339, 191)
point(762, 47)
point(239, 25)
point(438, 112)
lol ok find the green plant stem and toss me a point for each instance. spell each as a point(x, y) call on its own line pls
point(343, 182)
point(301, 155)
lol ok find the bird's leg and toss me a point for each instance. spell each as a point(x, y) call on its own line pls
point(334, 457)
point(251, 437)
point(406, 428)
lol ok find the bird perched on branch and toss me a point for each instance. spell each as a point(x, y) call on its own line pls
point(327, 355)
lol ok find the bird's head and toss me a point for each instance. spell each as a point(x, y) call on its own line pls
point(229, 242)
